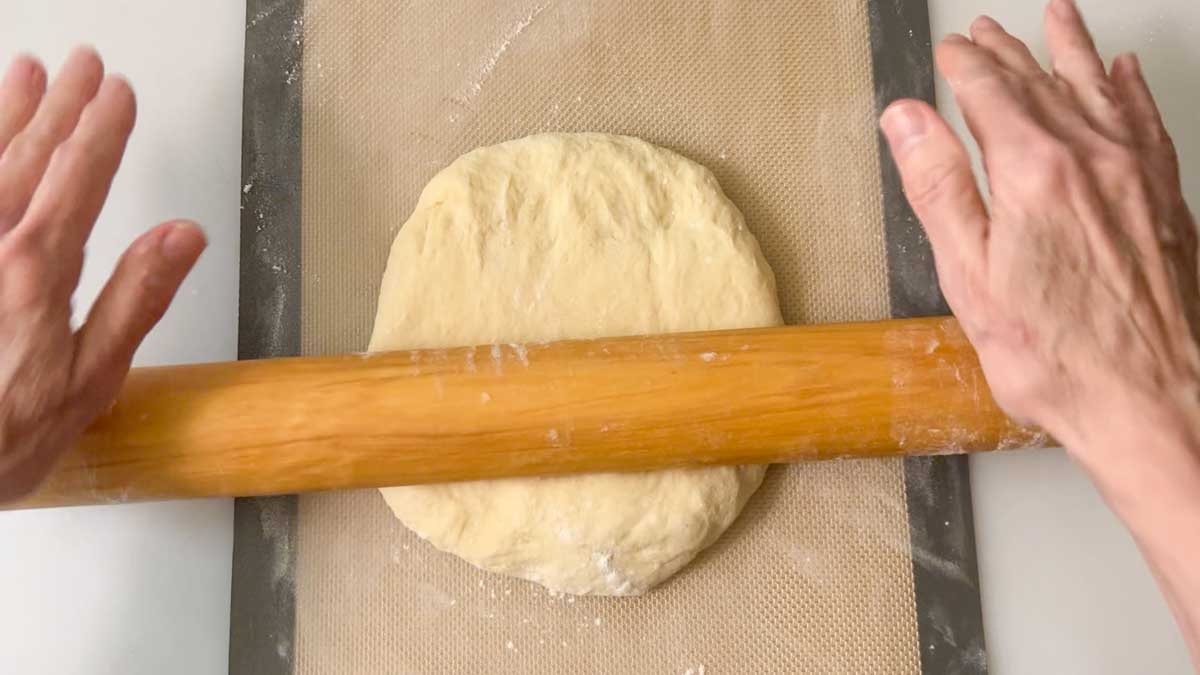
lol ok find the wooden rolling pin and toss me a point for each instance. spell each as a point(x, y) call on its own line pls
point(786, 394)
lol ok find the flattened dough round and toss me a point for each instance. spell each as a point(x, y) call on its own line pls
point(561, 236)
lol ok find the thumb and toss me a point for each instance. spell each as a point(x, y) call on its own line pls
point(939, 184)
point(131, 303)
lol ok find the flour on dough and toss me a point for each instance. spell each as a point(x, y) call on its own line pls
point(561, 236)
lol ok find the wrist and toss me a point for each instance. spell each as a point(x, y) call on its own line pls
point(1153, 486)
point(1143, 453)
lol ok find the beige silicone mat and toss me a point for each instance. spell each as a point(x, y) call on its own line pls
point(777, 99)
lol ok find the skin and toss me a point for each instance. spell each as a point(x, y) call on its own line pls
point(1076, 281)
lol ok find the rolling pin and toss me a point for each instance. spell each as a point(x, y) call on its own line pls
point(787, 394)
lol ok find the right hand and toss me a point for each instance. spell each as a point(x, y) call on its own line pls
point(1078, 284)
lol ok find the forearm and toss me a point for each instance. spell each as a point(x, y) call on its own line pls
point(1171, 547)
point(1167, 530)
point(1148, 469)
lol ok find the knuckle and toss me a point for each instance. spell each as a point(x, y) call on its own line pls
point(28, 278)
point(1188, 241)
point(1116, 162)
point(35, 142)
point(1159, 138)
point(11, 211)
point(22, 253)
point(1112, 115)
point(1165, 149)
point(1049, 164)
point(935, 181)
point(1106, 97)
point(70, 153)
point(16, 250)
point(151, 311)
point(24, 149)
point(71, 149)
point(1042, 86)
point(151, 297)
point(1052, 155)
point(993, 82)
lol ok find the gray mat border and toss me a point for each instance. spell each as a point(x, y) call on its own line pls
point(937, 489)
point(262, 621)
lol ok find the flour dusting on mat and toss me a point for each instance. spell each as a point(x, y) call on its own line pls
point(514, 31)
point(274, 523)
point(264, 14)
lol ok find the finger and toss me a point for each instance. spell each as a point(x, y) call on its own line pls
point(1157, 149)
point(131, 303)
point(1072, 51)
point(939, 183)
point(20, 92)
point(998, 117)
point(25, 159)
point(1145, 121)
point(1078, 65)
point(1006, 49)
point(76, 183)
point(1044, 101)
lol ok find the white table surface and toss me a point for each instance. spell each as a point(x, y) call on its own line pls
point(145, 588)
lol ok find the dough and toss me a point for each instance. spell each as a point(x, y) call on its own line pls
point(561, 236)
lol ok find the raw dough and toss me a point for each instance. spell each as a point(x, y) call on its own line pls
point(573, 236)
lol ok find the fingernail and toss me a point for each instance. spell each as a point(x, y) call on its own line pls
point(1065, 9)
point(38, 79)
point(955, 37)
point(19, 69)
point(903, 123)
point(1135, 64)
point(23, 72)
point(180, 243)
point(82, 51)
point(987, 23)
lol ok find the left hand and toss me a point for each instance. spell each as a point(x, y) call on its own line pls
point(59, 150)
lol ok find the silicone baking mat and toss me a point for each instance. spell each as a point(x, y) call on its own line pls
point(351, 107)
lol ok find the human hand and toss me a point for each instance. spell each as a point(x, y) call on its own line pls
point(59, 150)
point(1077, 284)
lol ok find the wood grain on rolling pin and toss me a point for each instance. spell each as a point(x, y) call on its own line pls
point(624, 404)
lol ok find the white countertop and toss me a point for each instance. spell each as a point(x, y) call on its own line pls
point(145, 588)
